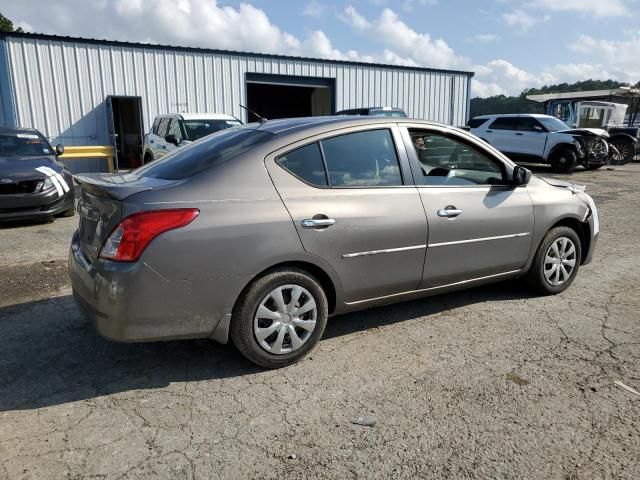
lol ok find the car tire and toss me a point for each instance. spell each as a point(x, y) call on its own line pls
point(548, 276)
point(564, 160)
point(279, 337)
point(627, 149)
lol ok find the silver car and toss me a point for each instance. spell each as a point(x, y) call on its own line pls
point(259, 233)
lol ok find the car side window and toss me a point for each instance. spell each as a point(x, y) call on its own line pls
point(445, 161)
point(528, 124)
point(162, 127)
point(154, 128)
point(362, 159)
point(306, 164)
point(174, 129)
point(503, 123)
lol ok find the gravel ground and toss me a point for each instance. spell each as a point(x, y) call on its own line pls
point(486, 383)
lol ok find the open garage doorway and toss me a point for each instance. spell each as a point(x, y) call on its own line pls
point(125, 130)
point(282, 96)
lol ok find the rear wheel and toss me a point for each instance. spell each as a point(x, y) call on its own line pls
point(556, 262)
point(280, 318)
point(564, 160)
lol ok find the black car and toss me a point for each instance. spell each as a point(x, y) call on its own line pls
point(33, 182)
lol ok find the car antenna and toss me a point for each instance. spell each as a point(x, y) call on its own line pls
point(260, 119)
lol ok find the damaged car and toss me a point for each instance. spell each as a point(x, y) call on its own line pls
point(534, 138)
point(34, 184)
point(256, 234)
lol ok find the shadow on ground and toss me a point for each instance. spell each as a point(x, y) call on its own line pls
point(51, 355)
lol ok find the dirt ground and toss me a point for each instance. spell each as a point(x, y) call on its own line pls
point(487, 383)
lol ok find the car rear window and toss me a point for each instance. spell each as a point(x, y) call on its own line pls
point(504, 123)
point(202, 155)
point(477, 122)
point(306, 164)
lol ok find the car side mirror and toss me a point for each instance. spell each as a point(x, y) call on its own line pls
point(59, 149)
point(521, 176)
point(171, 138)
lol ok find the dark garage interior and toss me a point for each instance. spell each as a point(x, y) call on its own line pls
point(276, 99)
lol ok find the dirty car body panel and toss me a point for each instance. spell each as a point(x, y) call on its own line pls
point(368, 244)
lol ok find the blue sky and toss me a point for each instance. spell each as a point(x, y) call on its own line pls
point(510, 44)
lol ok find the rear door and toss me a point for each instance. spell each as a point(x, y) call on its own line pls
point(532, 137)
point(478, 225)
point(503, 134)
point(354, 205)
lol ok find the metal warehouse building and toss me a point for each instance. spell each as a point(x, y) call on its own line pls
point(79, 91)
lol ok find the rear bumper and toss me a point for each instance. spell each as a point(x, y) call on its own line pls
point(130, 302)
point(35, 205)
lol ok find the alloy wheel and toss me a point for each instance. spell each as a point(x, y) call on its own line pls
point(559, 261)
point(285, 319)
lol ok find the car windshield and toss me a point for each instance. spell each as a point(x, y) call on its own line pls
point(553, 124)
point(200, 156)
point(25, 144)
point(196, 129)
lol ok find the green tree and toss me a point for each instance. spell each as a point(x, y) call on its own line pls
point(6, 25)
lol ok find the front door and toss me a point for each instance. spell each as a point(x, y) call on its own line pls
point(478, 225)
point(532, 137)
point(352, 206)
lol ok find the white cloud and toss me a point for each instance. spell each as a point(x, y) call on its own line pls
point(402, 41)
point(599, 8)
point(485, 38)
point(522, 20)
point(314, 9)
point(620, 56)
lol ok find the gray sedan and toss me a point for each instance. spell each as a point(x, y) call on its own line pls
point(259, 233)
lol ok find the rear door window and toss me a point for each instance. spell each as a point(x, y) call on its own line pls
point(306, 164)
point(528, 124)
point(362, 159)
point(504, 123)
point(477, 122)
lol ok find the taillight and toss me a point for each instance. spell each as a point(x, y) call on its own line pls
point(132, 235)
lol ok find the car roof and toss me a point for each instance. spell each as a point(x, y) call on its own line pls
point(510, 115)
point(300, 124)
point(8, 130)
point(199, 116)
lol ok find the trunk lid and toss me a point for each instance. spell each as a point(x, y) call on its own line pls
point(101, 205)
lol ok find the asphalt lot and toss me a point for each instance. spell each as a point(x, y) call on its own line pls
point(486, 383)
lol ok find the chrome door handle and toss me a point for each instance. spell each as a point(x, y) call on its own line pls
point(317, 222)
point(449, 212)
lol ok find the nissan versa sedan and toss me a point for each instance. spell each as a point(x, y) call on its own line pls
point(258, 233)
point(33, 183)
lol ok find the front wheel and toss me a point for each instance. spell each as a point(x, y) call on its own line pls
point(280, 318)
point(626, 150)
point(556, 262)
point(564, 161)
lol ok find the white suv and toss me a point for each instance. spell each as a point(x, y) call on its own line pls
point(543, 139)
point(178, 129)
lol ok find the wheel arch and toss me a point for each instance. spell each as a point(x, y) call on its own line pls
point(581, 228)
point(327, 283)
point(561, 146)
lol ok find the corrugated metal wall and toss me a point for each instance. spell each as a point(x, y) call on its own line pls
point(60, 85)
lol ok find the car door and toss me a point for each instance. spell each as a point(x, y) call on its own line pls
point(502, 135)
point(479, 225)
point(353, 204)
point(532, 137)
